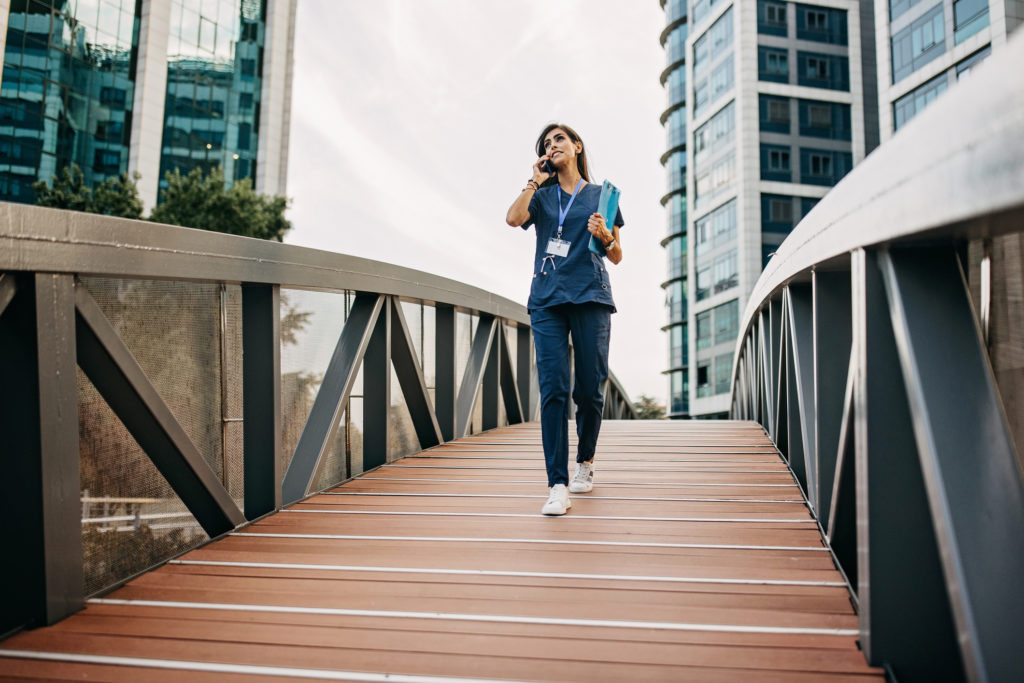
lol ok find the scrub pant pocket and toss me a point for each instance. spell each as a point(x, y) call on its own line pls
point(589, 326)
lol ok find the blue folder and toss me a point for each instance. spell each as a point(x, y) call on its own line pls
point(607, 206)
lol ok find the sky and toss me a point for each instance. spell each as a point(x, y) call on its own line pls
point(413, 125)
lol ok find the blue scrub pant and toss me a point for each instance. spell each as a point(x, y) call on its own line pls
point(590, 327)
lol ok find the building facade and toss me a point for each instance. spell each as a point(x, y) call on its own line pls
point(926, 46)
point(781, 103)
point(673, 78)
point(144, 86)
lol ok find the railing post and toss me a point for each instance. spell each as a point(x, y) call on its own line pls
point(489, 387)
point(40, 503)
point(905, 617)
point(261, 397)
point(524, 370)
point(445, 381)
point(377, 393)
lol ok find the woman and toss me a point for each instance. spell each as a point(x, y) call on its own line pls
point(570, 296)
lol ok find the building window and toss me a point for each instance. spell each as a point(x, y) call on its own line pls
point(969, 17)
point(780, 211)
point(721, 79)
point(774, 114)
point(775, 163)
point(823, 71)
point(911, 104)
point(773, 64)
point(679, 390)
point(771, 18)
point(898, 7)
point(726, 273)
point(918, 44)
point(964, 68)
point(727, 321)
point(703, 378)
point(723, 373)
point(778, 160)
point(823, 167)
point(829, 120)
point(821, 24)
point(703, 321)
point(703, 285)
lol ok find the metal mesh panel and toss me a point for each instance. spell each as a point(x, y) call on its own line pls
point(311, 324)
point(173, 329)
point(187, 339)
point(131, 518)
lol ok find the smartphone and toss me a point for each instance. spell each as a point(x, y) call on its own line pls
point(548, 168)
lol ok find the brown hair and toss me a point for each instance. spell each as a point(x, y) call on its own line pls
point(581, 158)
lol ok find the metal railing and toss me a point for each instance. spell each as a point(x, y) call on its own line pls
point(52, 325)
point(866, 360)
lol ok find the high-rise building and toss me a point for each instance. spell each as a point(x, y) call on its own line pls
point(673, 39)
point(925, 46)
point(781, 103)
point(145, 86)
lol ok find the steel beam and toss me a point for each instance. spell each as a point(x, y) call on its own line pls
point(471, 378)
point(524, 370)
point(966, 456)
point(332, 396)
point(489, 386)
point(838, 514)
point(905, 617)
point(410, 379)
point(39, 499)
point(261, 398)
point(780, 428)
point(377, 393)
point(445, 381)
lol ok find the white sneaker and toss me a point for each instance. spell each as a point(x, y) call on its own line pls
point(583, 480)
point(558, 501)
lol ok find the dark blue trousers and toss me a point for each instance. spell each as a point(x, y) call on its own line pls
point(589, 325)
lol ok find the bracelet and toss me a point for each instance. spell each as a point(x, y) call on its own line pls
point(609, 246)
point(533, 183)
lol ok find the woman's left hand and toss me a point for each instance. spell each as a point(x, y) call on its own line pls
point(598, 229)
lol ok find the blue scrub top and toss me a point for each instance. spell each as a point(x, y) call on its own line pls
point(581, 276)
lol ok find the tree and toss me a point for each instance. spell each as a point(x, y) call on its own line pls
point(193, 201)
point(648, 409)
point(115, 196)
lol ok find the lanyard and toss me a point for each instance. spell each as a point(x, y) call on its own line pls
point(562, 214)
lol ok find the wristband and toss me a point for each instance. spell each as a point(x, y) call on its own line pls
point(609, 246)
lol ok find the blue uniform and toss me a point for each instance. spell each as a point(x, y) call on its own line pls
point(570, 297)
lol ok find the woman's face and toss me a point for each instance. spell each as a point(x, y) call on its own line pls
point(560, 148)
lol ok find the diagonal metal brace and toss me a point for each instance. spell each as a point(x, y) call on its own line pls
point(332, 396)
point(117, 376)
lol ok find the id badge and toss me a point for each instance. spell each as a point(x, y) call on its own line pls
point(558, 247)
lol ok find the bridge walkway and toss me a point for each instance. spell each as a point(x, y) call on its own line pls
point(694, 558)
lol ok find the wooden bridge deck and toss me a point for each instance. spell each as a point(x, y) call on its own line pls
point(694, 558)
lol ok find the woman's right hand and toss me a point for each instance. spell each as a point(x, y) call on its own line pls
point(539, 174)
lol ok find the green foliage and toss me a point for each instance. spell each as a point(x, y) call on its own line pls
point(205, 203)
point(115, 196)
point(648, 409)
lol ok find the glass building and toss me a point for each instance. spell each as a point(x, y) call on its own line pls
point(774, 116)
point(926, 46)
point(673, 78)
point(145, 86)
